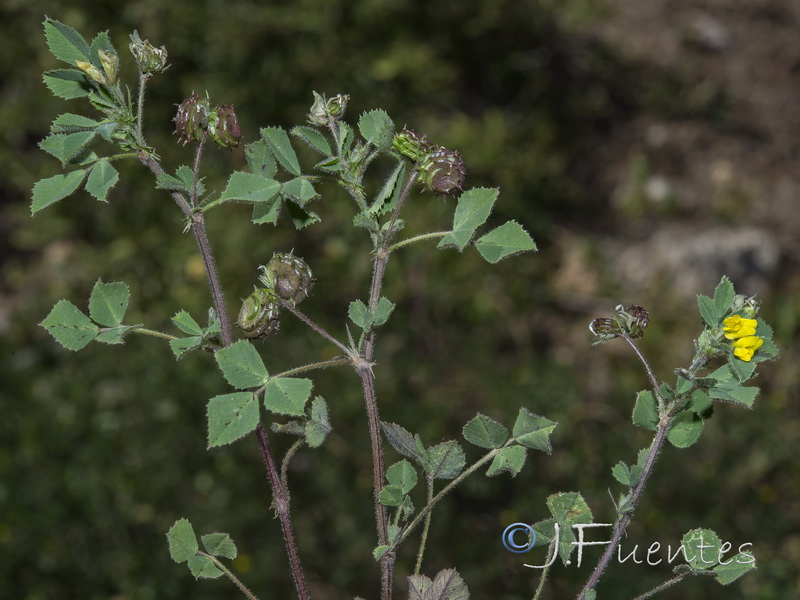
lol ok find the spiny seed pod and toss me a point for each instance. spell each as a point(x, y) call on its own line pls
point(604, 329)
point(258, 316)
point(633, 319)
point(288, 276)
point(443, 171)
point(149, 59)
point(192, 118)
point(223, 126)
point(412, 145)
point(327, 111)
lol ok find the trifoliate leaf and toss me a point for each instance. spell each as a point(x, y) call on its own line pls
point(114, 335)
point(247, 187)
point(181, 346)
point(281, 148)
point(645, 411)
point(403, 475)
point(108, 303)
point(52, 189)
point(287, 395)
point(260, 160)
point(202, 567)
point(184, 321)
point(319, 425)
point(702, 548)
point(67, 84)
point(71, 123)
point(231, 417)
point(729, 570)
point(65, 146)
point(219, 544)
point(377, 128)
point(69, 326)
point(182, 541)
point(391, 495)
point(474, 207)
point(443, 461)
point(485, 432)
point(65, 43)
point(300, 216)
point(313, 138)
point(241, 365)
point(400, 439)
point(299, 190)
point(510, 459)
point(504, 241)
point(533, 431)
point(101, 179)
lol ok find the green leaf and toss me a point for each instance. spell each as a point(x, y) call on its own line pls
point(443, 461)
point(382, 312)
point(683, 385)
point(114, 335)
point(281, 147)
point(287, 395)
point(377, 128)
point(300, 216)
point(738, 394)
point(723, 296)
point(359, 314)
point(231, 417)
point(181, 346)
point(241, 365)
point(510, 238)
point(485, 432)
point(65, 43)
point(182, 181)
point(447, 585)
point(568, 509)
point(70, 123)
point(645, 411)
point(67, 84)
point(313, 138)
point(391, 495)
point(108, 303)
point(391, 188)
point(708, 310)
point(300, 190)
point(260, 160)
point(202, 567)
point(319, 426)
point(69, 326)
point(51, 190)
point(182, 541)
point(700, 404)
point(247, 187)
point(101, 42)
point(685, 429)
point(403, 475)
point(474, 207)
point(533, 431)
point(590, 595)
point(621, 473)
point(742, 370)
point(702, 549)
point(219, 544)
point(267, 212)
point(510, 459)
point(101, 179)
point(379, 551)
point(65, 146)
point(184, 321)
point(736, 567)
point(400, 439)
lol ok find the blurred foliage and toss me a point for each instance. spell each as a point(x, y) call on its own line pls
point(93, 475)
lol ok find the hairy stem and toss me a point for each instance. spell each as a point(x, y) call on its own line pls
point(152, 332)
point(334, 362)
point(417, 238)
point(143, 77)
point(293, 309)
point(280, 502)
point(670, 582)
point(242, 587)
point(622, 521)
point(424, 539)
point(650, 374)
point(546, 571)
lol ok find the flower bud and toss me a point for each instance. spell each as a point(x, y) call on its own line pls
point(149, 59)
point(110, 63)
point(258, 316)
point(287, 276)
point(92, 71)
point(192, 119)
point(223, 126)
point(325, 112)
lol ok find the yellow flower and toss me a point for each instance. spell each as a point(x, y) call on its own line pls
point(745, 347)
point(736, 327)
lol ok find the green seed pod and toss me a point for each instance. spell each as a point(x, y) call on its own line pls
point(149, 59)
point(258, 316)
point(409, 144)
point(443, 171)
point(192, 119)
point(223, 126)
point(288, 276)
point(327, 111)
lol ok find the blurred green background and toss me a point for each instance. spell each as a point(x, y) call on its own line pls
point(648, 147)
